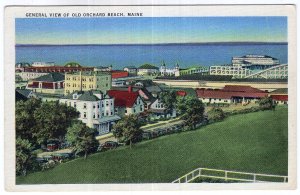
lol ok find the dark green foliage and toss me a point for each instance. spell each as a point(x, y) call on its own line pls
point(148, 66)
point(254, 142)
point(23, 156)
point(38, 121)
point(192, 110)
point(266, 103)
point(82, 138)
point(215, 114)
point(128, 129)
point(25, 121)
point(168, 98)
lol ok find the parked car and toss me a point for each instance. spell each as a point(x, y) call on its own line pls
point(108, 146)
point(51, 147)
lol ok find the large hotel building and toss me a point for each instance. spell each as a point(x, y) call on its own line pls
point(87, 80)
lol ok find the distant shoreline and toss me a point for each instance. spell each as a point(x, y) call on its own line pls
point(158, 44)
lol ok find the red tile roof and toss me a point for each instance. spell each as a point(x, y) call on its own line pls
point(181, 93)
point(230, 91)
point(280, 97)
point(123, 98)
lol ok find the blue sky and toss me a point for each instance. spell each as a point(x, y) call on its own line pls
point(148, 30)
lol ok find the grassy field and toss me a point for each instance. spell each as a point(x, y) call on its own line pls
point(255, 142)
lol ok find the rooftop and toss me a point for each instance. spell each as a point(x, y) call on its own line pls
point(84, 95)
point(51, 77)
point(124, 98)
point(89, 73)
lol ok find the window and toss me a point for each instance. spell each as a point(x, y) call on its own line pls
point(111, 113)
point(98, 115)
point(102, 105)
point(94, 106)
point(125, 111)
point(98, 106)
point(106, 84)
point(74, 104)
point(84, 105)
point(141, 108)
point(134, 110)
point(111, 103)
point(84, 115)
point(106, 103)
point(102, 114)
point(106, 113)
point(219, 99)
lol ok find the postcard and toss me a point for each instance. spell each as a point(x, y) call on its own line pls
point(152, 97)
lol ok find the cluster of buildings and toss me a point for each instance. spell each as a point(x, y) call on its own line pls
point(252, 66)
point(103, 96)
point(233, 94)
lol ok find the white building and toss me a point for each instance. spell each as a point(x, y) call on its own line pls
point(96, 109)
point(42, 64)
point(147, 69)
point(131, 70)
point(164, 71)
point(127, 102)
point(26, 76)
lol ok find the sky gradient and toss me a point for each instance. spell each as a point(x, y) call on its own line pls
point(146, 30)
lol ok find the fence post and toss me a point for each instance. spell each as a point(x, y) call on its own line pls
point(284, 179)
point(254, 178)
point(225, 175)
point(186, 179)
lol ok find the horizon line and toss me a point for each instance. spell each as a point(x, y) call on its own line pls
point(120, 44)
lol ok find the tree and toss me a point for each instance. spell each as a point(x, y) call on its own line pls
point(128, 129)
point(180, 105)
point(82, 138)
point(266, 103)
point(52, 120)
point(25, 121)
point(168, 98)
point(23, 156)
point(194, 111)
point(216, 114)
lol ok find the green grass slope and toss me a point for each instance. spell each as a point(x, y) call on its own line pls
point(254, 142)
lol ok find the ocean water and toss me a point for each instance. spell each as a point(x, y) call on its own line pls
point(120, 56)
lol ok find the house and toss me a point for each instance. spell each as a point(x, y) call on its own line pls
point(230, 94)
point(87, 80)
point(164, 71)
point(26, 76)
point(280, 96)
point(52, 83)
point(158, 110)
point(147, 69)
point(150, 86)
point(26, 93)
point(132, 70)
point(96, 109)
point(103, 68)
point(127, 102)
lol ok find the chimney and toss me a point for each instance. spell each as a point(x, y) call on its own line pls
point(129, 88)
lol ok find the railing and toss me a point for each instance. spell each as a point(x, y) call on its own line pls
point(229, 175)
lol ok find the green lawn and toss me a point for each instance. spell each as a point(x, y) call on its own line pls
point(255, 142)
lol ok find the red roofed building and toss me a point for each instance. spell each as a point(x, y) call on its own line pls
point(231, 94)
point(181, 93)
point(280, 96)
point(127, 102)
point(118, 74)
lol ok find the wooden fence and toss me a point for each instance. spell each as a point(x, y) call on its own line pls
point(229, 175)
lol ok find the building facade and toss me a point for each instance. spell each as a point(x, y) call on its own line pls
point(87, 80)
point(26, 76)
point(127, 102)
point(96, 109)
point(164, 71)
point(192, 70)
point(52, 83)
point(42, 64)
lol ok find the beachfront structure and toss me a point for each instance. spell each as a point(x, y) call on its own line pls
point(255, 62)
point(246, 66)
point(26, 76)
point(42, 64)
point(52, 83)
point(280, 96)
point(164, 71)
point(230, 94)
point(103, 68)
point(87, 80)
point(132, 70)
point(192, 70)
point(147, 69)
point(127, 102)
point(96, 109)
